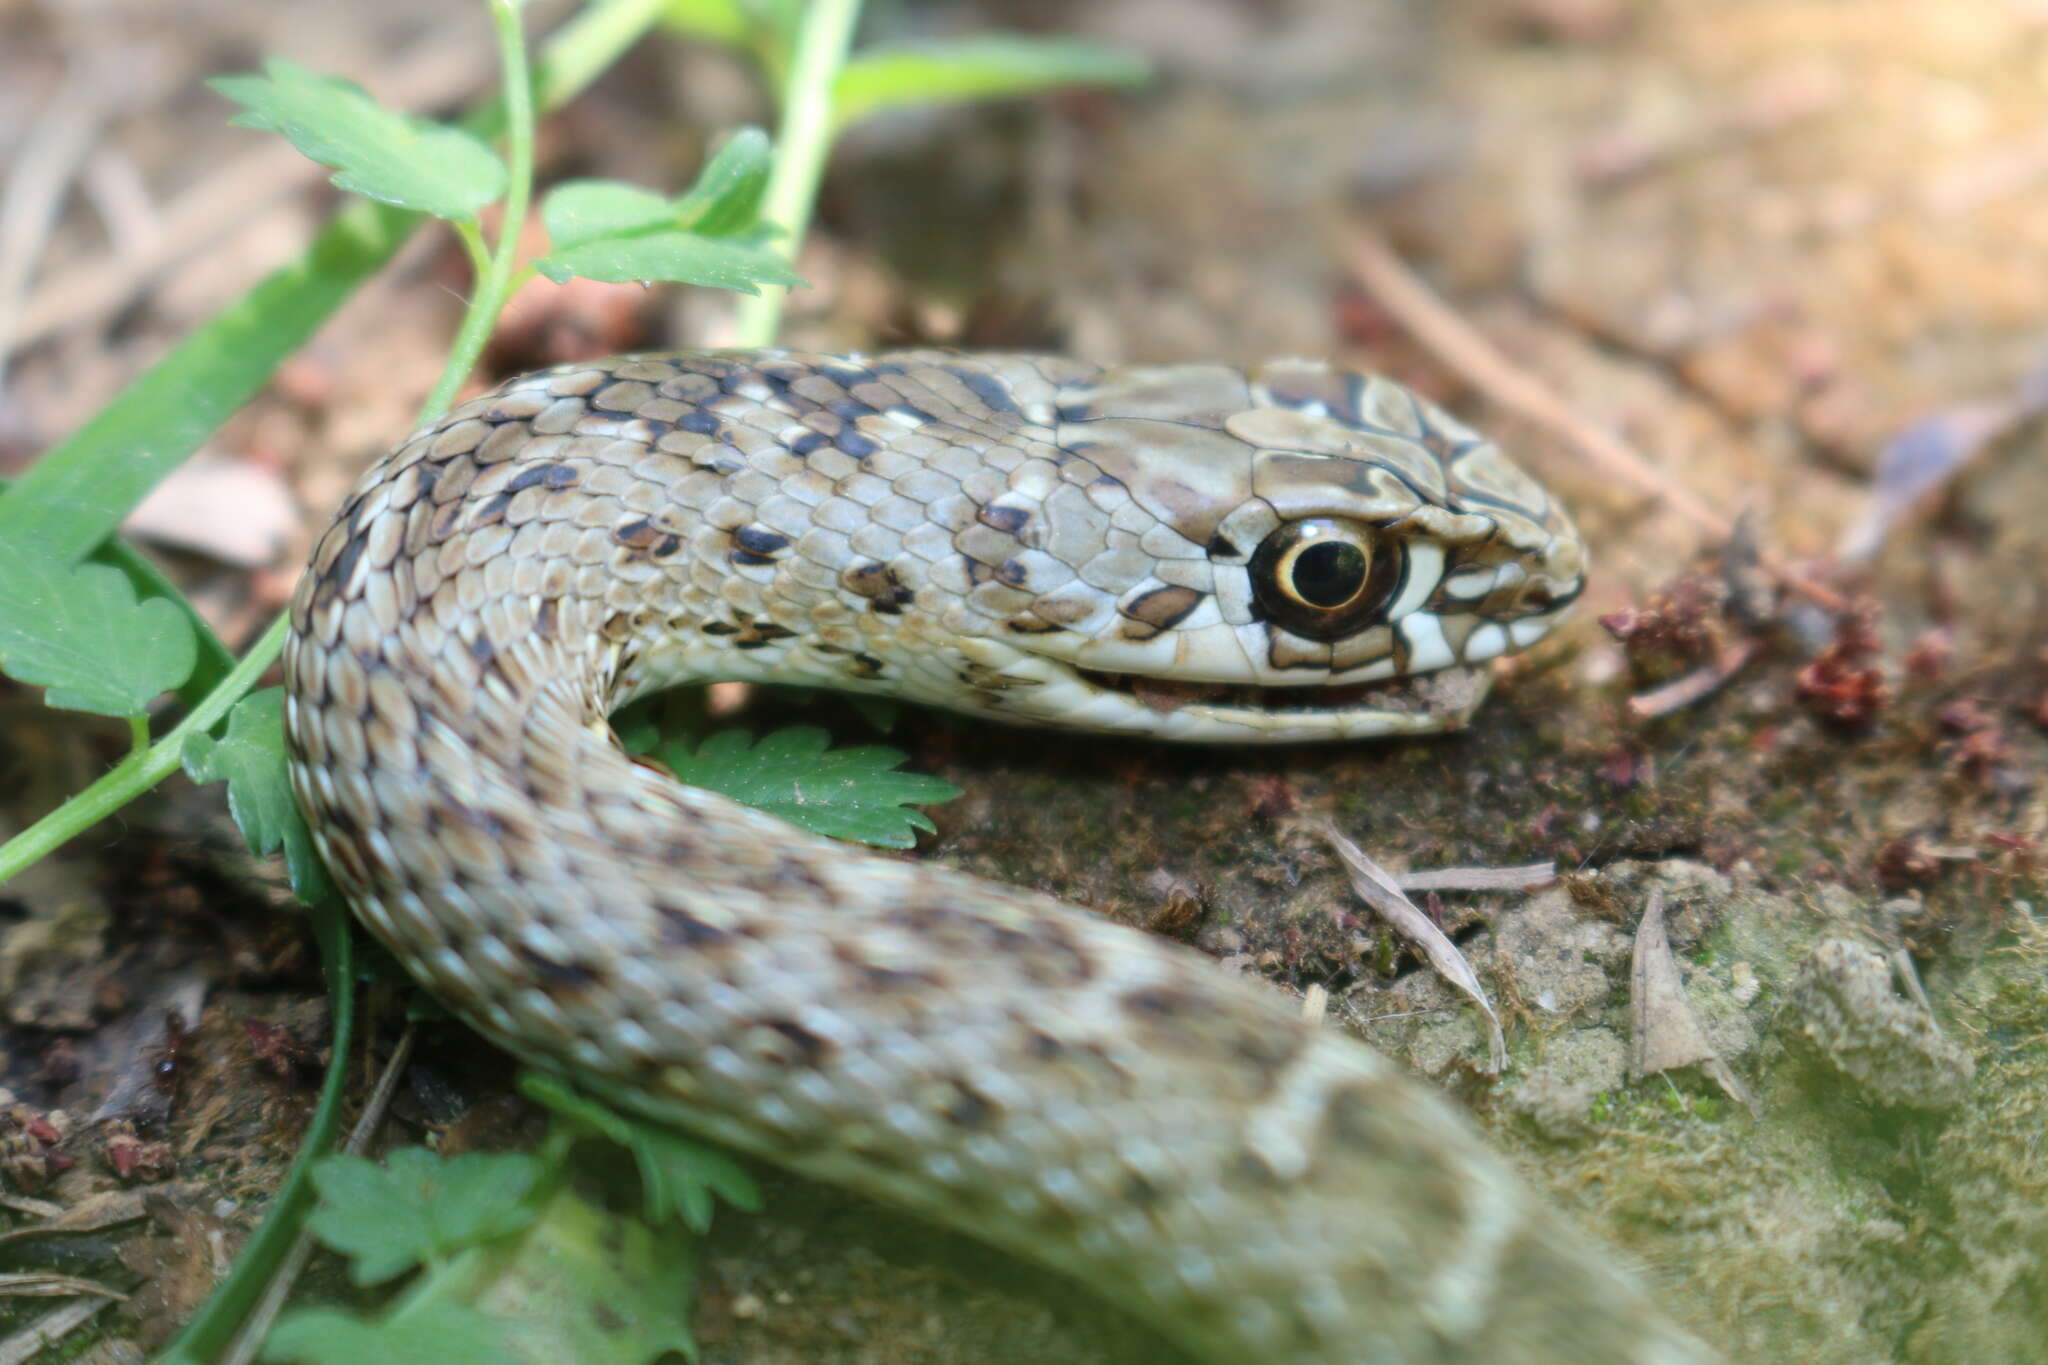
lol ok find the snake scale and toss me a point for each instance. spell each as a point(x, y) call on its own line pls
point(1195, 552)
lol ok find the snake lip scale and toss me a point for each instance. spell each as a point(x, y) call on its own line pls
point(1286, 552)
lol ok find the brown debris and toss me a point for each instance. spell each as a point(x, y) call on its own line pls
point(1680, 623)
point(1685, 625)
point(94, 1213)
point(1273, 798)
point(1902, 862)
point(280, 1052)
point(131, 1157)
point(1928, 659)
point(1845, 686)
point(29, 1139)
point(1622, 767)
point(1983, 756)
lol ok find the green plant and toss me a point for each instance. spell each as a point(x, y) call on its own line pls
point(92, 622)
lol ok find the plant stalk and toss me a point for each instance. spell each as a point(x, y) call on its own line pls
point(804, 140)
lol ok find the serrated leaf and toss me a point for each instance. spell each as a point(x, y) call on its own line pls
point(79, 632)
point(418, 1206)
point(678, 1176)
point(723, 203)
point(251, 759)
point(894, 76)
point(410, 162)
point(727, 196)
point(843, 793)
point(683, 257)
point(585, 1285)
point(436, 1332)
point(579, 211)
point(577, 1284)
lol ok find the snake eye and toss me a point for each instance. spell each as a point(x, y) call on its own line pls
point(1324, 578)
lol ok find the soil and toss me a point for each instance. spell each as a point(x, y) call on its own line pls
point(1759, 241)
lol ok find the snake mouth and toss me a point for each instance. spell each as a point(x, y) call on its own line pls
point(1276, 714)
point(1163, 696)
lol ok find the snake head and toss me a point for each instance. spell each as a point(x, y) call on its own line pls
point(1279, 553)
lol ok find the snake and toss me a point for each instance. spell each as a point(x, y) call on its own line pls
point(1280, 553)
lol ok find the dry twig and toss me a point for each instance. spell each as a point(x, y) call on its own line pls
point(1521, 877)
point(1696, 685)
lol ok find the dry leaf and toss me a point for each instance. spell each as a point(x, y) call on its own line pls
point(47, 1284)
point(1379, 890)
point(107, 1209)
point(1667, 1035)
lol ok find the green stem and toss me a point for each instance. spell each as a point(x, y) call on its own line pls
point(474, 246)
point(800, 148)
point(494, 282)
point(580, 50)
point(139, 772)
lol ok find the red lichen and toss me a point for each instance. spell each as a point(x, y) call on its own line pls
point(1680, 624)
point(1903, 862)
point(1929, 658)
point(1845, 686)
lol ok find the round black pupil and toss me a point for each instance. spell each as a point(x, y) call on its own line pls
point(1329, 574)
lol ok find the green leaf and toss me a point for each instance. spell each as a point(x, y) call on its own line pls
point(433, 1333)
point(395, 158)
point(683, 257)
point(149, 581)
point(80, 632)
point(678, 1176)
point(588, 1286)
point(251, 759)
point(577, 1284)
point(418, 1206)
point(579, 211)
point(727, 196)
point(844, 793)
point(894, 76)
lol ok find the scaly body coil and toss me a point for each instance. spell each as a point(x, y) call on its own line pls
point(1198, 552)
